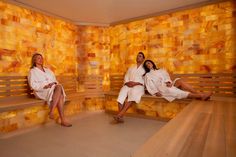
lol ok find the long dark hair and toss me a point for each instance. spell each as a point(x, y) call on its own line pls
point(33, 59)
point(146, 68)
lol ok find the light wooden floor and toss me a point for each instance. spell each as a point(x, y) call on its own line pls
point(202, 129)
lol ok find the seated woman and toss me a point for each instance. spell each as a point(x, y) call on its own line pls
point(158, 83)
point(45, 87)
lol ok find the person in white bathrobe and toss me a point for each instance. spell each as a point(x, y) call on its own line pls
point(133, 88)
point(45, 86)
point(159, 83)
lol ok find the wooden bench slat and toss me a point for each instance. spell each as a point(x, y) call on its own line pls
point(70, 92)
point(93, 86)
point(69, 85)
point(13, 82)
point(207, 75)
point(66, 81)
point(224, 94)
point(12, 77)
point(210, 79)
point(71, 88)
point(13, 87)
point(213, 84)
point(13, 94)
point(216, 89)
point(117, 79)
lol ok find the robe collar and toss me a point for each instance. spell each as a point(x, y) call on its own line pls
point(40, 69)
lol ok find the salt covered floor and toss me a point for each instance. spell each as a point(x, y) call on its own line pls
point(92, 135)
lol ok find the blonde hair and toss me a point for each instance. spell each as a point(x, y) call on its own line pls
point(33, 59)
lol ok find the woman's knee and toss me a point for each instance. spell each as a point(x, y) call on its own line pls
point(179, 82)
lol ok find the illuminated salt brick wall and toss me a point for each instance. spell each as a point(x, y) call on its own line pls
point(33, 116)
point(94, 52)
point(22, 32)
point(93, 104)
point(196, 40)
point(126, 41)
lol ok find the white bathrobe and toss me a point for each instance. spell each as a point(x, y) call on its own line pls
point(38, 79)
point(134, 93)
point(155, 81)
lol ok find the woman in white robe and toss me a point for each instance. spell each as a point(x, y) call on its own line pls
point(45, 86)
point(158, 82)
point(133, 88)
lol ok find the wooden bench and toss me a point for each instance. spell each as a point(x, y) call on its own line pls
point(15, 92)
point(222, 85)
point(19, 109)
point(201, 129)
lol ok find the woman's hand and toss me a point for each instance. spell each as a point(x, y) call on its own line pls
point(49, 85)
point(168, 84)
point(158, 94)
point(46, 86)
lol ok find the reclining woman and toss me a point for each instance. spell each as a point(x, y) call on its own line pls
point(158, 83)
point(45, 86)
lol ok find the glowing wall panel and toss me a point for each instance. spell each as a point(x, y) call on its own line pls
point(23, 32)
point(94, 52)
point(198, 40)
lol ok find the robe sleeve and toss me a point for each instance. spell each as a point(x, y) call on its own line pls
point(166, 76)
point(150, 86)
point(126, 79)
point(53, 76)
point(34, 83)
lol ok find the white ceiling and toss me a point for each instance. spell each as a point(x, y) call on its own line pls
point(104, 12)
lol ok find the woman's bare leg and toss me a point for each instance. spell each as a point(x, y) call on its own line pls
point(202, 96)
point(184, 86)
point(55, 99)
point(60, 108)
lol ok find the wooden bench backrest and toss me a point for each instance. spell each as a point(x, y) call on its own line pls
point(12, 86)
point(116, 82)
point(70, 83)
point(219, 84)
point(93, 86)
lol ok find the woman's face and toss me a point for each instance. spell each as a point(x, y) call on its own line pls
point(149, 65)
point(39, 60)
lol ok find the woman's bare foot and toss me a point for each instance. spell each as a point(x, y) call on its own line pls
point(206, 96)
point(66, 124)
point(50, 115)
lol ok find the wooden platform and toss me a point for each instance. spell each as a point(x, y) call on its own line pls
point(202, 129)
